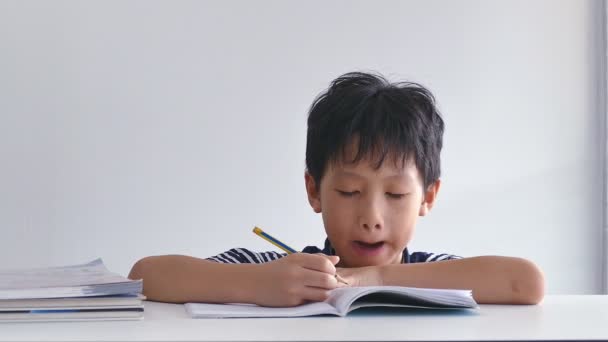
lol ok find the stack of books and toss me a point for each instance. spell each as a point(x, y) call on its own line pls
point(70, 293)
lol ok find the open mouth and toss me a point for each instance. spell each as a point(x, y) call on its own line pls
point(367, 248)
point(369, 245)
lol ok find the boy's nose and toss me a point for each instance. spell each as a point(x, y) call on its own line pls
point(371, 218)
point(368, 226)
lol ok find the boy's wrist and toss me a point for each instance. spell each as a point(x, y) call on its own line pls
point(386, 274)
point(244, 285)
point(378, 275)
point(363, 276)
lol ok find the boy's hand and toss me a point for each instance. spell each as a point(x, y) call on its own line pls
point(361, 276)
point(296, 279)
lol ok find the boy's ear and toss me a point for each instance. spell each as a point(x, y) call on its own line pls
point(429, 198)
point(314, 195)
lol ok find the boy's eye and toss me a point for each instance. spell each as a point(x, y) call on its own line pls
point(395, 196)
point(347, 193)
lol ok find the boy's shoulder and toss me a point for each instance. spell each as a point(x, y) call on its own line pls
point(407, 257)
point(427, 257)
point(246, 256)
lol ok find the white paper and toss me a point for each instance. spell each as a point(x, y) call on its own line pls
point(90, 279)
point(343, 300)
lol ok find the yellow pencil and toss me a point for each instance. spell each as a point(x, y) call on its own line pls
point(259, 232)
point(273, 241)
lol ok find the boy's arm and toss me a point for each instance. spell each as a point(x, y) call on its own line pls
point(493, 279)
point(291, 280)
point(182, 279)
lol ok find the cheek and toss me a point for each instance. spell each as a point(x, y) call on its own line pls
point(404, 214)
point(338, 214)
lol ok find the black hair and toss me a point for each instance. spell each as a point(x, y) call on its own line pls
point(398, 120)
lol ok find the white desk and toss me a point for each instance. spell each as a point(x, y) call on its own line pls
point(557, 318)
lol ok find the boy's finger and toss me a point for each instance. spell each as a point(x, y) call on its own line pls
point(320, 280)
point(333, 258)
point(343, 284)
point(314, 294)
point(318, 263)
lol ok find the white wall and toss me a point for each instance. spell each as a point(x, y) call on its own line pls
point(144, 127)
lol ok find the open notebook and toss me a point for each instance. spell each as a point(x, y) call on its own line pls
point(344, 300)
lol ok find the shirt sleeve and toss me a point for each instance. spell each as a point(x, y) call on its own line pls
point(430, 257)
point(245, 256)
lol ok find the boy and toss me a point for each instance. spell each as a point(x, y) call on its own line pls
point(372, 167)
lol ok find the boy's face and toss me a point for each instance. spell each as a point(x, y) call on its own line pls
point(370, 215)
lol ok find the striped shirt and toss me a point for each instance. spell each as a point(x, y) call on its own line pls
point(245, 256)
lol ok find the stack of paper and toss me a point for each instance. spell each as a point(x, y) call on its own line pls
point(75, 293)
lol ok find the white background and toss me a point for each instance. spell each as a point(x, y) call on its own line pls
point(138, 128)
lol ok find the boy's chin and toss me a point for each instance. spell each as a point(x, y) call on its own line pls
point(358, 256)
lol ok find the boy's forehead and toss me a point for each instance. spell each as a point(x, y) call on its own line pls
point(374, 163)
point(366, 168)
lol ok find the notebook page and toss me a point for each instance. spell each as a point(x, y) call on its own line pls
point(90, 273)
point(389, 299)
point(449, 297)
point(204, 310)
point(342, 299)
point(90, 279)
